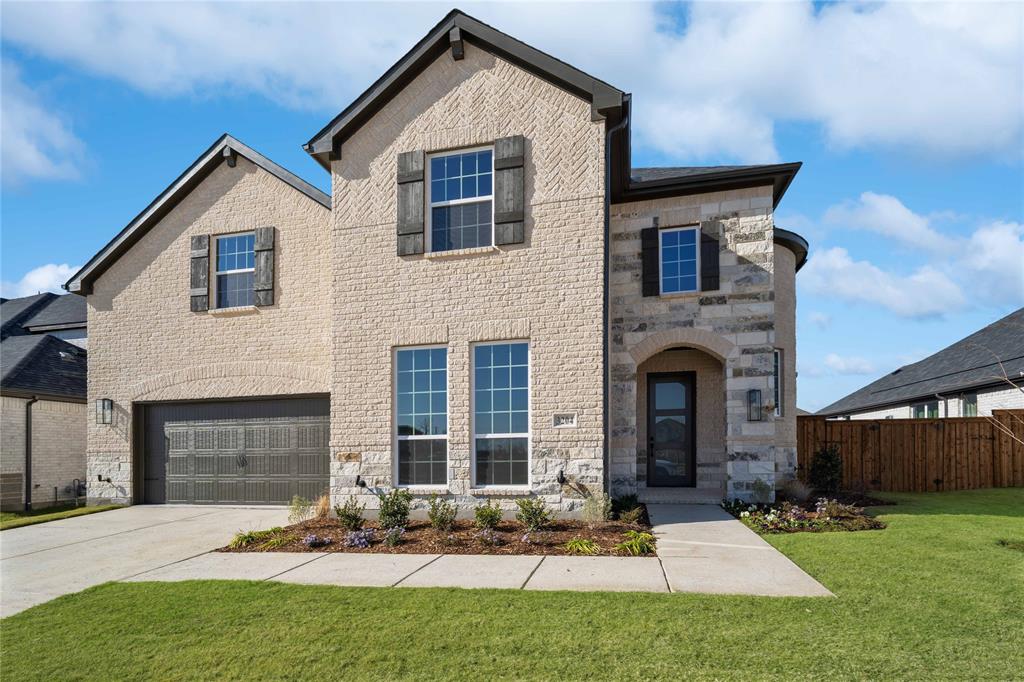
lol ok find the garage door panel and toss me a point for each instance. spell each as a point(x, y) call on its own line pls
point(252, 452)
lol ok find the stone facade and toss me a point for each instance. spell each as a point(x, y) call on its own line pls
point(146, 345)
point(548, 290)
point(58, 450)
point(734, 327)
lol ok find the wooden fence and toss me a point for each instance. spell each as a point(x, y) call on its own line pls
point(920, 455)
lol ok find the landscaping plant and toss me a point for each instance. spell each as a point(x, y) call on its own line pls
point(582, 546)
point(632, 517)
point(487, 516)
point(624, 504)
point(250, 537)
point(826, 474)
point(533, 513)
point(786, 517)
point(393, 536)
point(360, 538)
point(796, 490)
point(394, 508)
point(441, 513)
point(322, 507)
point(487, 536)
point(299, 510)
point(597, 509)
point(637, 543)
point(350, 514)
point(313, 540)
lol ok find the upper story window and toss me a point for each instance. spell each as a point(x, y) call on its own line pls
point(461, 214)
point(678, 257)
point(421, 401)
point(236, 265)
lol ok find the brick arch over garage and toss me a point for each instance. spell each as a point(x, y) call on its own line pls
point(701, 339)
point(233, 380)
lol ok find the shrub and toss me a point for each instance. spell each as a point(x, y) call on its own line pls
point(796, 490)
point(632, 517)
point(350, 514)
point(359, 538)
point(276, 542)
point(299, 510)
point(533, 513)
point(322, 507)
point(826, 472)
point(393, 536)
point(624, 503)
point(394, 508)
point(441, 513)
point(244, 539)
point(762, 492)
point(582, 546)
point(597, 509)
point(488, 537)
point(312, 540)
point(487, 516)
point(637, 543)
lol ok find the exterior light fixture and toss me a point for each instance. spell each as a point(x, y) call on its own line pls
point(754, 405)
point(104, 411)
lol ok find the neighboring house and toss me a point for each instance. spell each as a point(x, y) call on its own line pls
point(42, 400)
point(493, 304)
point(970, 378)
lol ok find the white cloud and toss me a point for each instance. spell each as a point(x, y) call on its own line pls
point(886, 215)
point(848, 365)
point(926, 292)
point(993, 263)
point(935, 79)
point(35, 143)
point(47, 277)
point(820, 320)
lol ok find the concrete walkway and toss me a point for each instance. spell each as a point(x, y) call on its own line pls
point(702, 548)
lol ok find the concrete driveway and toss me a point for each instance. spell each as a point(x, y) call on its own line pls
point(39, 563)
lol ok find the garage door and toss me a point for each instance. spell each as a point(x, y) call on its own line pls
point(239, 452)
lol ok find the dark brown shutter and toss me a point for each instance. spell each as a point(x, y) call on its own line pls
point(410, 203)
point(199, 277)
point(649, 261)
point(263, 278)
point(509, 190)
point(709, 277)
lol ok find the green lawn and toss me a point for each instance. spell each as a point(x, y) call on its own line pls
point(19, 519)
point(934, 596)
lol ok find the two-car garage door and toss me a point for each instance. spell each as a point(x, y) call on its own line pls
point(236, 452)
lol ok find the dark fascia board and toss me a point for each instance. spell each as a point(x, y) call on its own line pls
point(779, 176)
point(947, 393)
point(795, 243)
point(218, 152)
point(603, 97)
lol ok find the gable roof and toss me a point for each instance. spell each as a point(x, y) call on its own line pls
point(455, 27)
point(970, 363)
point(44, 366)
point(654, 183)
point(14, 312)
point(223, 150)
point(62, 312)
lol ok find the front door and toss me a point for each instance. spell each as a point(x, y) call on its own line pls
point(671, 432)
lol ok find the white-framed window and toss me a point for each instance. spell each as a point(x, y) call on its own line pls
point(501, 414)
point(421, 416)
point(969, 405)
point(777, 373)
point(679, 259)
point(236, 266)
point(928, 410)
point(460, 214)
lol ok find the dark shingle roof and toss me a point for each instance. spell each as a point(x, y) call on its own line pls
point(41, 364)
point(14, 312)
point(674, 172)
point(969, 363)
point(61, 311)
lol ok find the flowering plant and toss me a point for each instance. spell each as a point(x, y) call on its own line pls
point(360, 538)
point(313, 540)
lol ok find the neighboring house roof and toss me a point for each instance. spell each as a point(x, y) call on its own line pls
point(971, 363)
point(15, 311)
point(44, 366)
point(802, 413)
point(224, 149)
point(62, 312)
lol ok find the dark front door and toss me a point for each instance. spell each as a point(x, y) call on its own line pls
point(671, 432)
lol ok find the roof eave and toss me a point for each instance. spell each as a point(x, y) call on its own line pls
point(779, 176)
point(830, 411)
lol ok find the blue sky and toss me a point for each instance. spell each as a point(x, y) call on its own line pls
point(908, 118)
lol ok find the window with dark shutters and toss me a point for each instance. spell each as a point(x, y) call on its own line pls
point(199, 277)
point(649, 261)
point(709, 277)
point(263, 277)
point(410, 203)
point(509, 190)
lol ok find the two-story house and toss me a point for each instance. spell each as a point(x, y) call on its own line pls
point(492, 303)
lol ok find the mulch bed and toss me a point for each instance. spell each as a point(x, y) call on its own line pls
point(420, 538)
point(843, 497)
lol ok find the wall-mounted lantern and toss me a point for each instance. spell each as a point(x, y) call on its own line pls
point(754, 405)
point(104, 411)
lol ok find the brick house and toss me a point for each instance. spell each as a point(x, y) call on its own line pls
point(493, 303)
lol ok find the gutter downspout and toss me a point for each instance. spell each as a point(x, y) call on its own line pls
point(606, 305)
point(28, 452)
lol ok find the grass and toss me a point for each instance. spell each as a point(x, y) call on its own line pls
point(30, 518)
point(934, 596)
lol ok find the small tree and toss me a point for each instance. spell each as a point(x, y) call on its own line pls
point(827, 469)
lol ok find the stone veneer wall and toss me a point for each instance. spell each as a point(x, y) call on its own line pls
point(735, 324)
point(785, 340)
point(547, 290)
point(146, 345)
